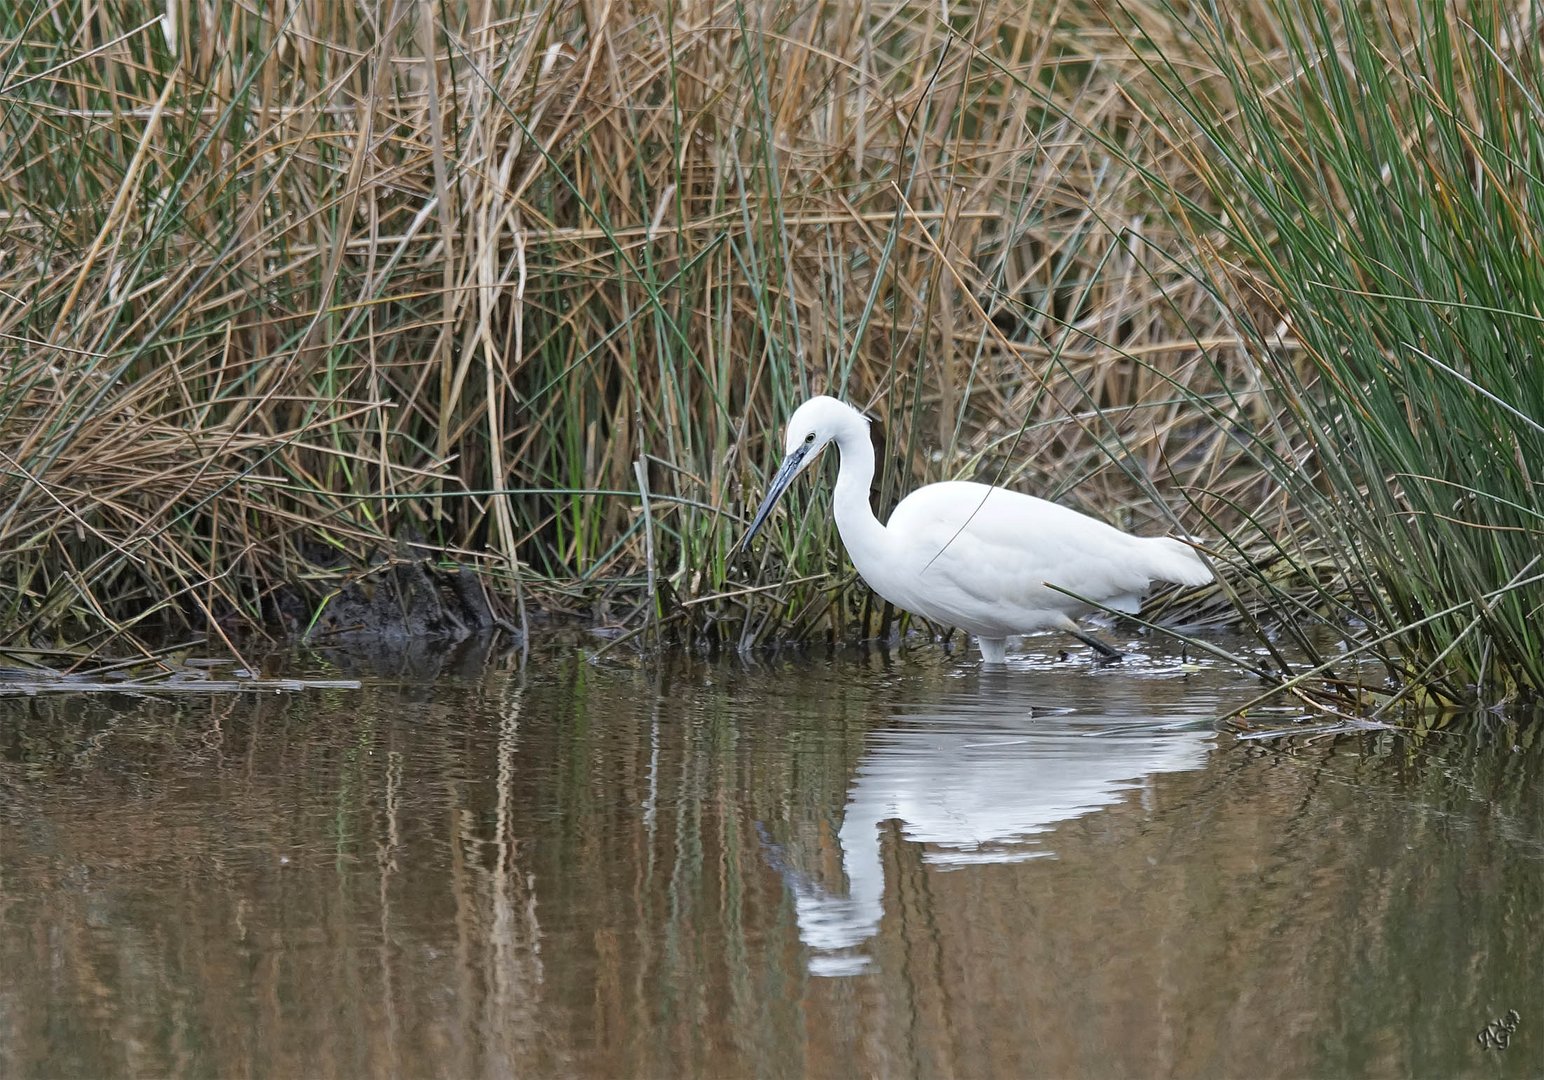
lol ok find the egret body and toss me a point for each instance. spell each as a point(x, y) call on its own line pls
point(970, 555)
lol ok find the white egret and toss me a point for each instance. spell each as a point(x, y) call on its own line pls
point(980, 558)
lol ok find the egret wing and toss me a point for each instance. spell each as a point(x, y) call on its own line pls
point(985, 557)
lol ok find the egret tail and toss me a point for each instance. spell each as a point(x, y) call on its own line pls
point(1176, 561)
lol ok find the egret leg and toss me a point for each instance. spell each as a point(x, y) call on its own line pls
point(992, 649)
point(1105, 652)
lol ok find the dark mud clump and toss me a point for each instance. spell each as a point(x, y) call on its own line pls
point(394, 601)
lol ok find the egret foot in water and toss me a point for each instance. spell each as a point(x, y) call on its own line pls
point(1108, 654)
point(990, 561)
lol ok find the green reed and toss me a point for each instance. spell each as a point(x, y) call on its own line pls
point(1376, 177)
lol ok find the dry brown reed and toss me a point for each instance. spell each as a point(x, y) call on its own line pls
point(286, 287)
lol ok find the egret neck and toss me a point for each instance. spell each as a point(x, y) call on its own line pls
point(861, 531)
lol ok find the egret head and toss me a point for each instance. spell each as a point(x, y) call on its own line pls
point(814, 424)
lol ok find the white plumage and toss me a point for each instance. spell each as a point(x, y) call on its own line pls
point(973, 556)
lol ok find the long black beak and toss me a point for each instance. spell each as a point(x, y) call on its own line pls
point(785, 474)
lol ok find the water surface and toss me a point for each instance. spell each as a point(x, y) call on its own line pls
point(858, 864)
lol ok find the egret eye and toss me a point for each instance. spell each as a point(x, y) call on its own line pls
point(809, 438)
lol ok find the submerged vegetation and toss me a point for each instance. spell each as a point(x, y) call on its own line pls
point(294, 294)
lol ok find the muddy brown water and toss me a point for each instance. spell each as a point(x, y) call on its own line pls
point(858, 864)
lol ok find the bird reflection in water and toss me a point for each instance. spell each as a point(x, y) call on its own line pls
point(976, 779)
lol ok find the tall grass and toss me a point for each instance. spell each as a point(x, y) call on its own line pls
point(288, 294)
point(288, 288)
point(1382, 170)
